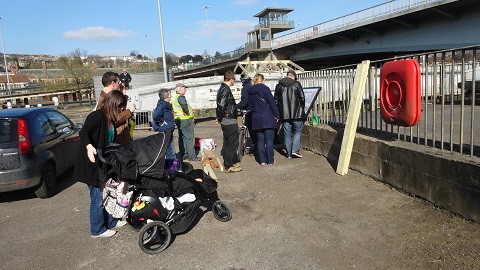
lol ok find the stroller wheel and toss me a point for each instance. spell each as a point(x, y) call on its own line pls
point(135, 223)
point(154, 237)
point(221, 211)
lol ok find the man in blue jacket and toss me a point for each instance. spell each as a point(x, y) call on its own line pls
point(245, 105)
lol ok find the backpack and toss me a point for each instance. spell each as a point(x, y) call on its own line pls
point(121, 161)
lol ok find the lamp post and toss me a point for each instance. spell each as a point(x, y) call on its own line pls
point(5, 59)
point(146, 51)
point(163, 42)
point(208, 28)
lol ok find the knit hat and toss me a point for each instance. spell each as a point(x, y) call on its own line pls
point(245, 77)
point(293, 73)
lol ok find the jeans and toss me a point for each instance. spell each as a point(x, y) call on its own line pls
point(100, 220)
point(186, 138)
point(230, 145)
point(171, 154)
point(265, 145)
point(288, 127)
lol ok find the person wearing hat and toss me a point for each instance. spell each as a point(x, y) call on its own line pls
point(184, 115)
point(245, 105)
point(290, 101)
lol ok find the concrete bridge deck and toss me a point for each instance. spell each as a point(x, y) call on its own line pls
point(295, 214)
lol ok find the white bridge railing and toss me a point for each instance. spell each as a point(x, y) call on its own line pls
point(363, 17)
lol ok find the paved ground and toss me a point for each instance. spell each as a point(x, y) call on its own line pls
point(296, 214)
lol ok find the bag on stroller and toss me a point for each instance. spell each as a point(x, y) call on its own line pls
point(116, 197)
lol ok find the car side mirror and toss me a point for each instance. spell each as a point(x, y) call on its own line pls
point(78, 125)
point(66, 130)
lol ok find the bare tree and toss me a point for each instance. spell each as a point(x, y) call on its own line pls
point(79, 74)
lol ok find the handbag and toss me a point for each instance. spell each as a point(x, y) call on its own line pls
point(116, 198)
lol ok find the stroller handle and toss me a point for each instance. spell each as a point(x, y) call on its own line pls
point(100, 156)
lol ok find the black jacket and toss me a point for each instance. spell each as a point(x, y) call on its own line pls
point(125, 78)
point(290, 100)
point(226, 106)
point(95, 132)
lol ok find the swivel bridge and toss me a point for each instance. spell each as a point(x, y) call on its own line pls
point(383, 31)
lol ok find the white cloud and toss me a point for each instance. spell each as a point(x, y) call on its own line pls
point(225, 30)
point(98, 33)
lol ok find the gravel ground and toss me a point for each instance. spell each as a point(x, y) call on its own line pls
point(295, 214)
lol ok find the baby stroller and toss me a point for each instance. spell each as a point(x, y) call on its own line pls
point(164, 203)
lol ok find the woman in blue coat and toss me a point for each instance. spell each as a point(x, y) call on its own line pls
point(163, 120)
point(264, 118)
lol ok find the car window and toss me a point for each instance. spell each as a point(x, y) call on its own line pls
point(59, 121)
point(42, 126)
point(7, 131)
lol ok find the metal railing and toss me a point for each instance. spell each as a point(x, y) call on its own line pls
point(143, 119)
point(267, 24)
point(216, 59)
point(450, 81)
point(365, 16)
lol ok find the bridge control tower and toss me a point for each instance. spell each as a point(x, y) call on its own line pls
point(270, 22)
point(260, 57)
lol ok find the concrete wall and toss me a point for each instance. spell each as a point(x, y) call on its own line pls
point(201, 92)
point(449, 180)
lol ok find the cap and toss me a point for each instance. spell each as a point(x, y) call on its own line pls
point(244, 77)
point(180, 85)
point(293, 73)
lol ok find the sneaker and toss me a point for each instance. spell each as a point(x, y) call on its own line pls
point(185, 157)
point(233, 169)
point(195, 159)
point(120, 223)
point(236, 164)
point(297, 154)
point(106, 233)
point(287, 156)
point(263, 163)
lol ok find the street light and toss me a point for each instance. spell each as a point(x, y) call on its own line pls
point(208, 27)
point(146, 51)
point(5, 59)
point(163, 42)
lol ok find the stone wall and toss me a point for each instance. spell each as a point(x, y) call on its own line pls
point(201, 92)
point(449, 180)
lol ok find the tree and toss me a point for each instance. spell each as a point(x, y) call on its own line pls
point(185, 59)
point(133, 53)
point(79, 75)
point(197, 58)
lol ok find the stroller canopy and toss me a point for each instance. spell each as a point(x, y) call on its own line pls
point(150, 153)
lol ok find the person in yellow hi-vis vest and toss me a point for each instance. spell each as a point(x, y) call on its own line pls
point(184, 120)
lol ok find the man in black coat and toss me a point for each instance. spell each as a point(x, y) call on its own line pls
point(290, 101)
point(227, 116)
point(125, 78)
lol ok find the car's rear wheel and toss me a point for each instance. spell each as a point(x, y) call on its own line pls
point(48, 185)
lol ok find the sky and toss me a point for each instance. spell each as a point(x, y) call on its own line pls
point(116, 28)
